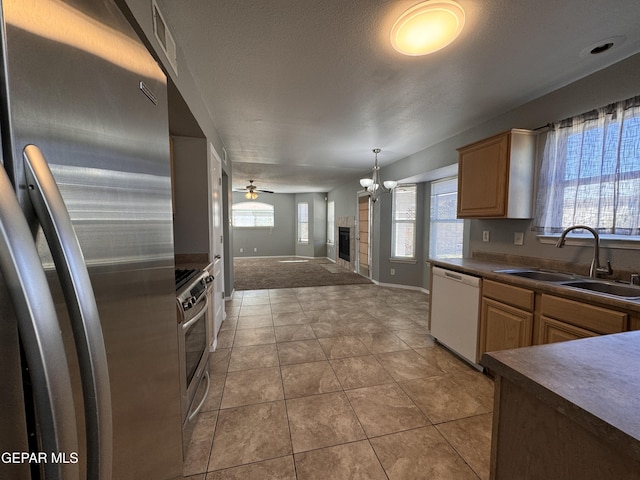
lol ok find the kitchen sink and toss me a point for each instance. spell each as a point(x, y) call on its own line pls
point(625, 291)
point(539, 275)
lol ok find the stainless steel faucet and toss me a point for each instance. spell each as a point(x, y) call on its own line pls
point(596, 270)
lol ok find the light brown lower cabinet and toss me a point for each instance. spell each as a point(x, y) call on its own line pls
point(503, 326)
point(506, 317)
point(552, 331)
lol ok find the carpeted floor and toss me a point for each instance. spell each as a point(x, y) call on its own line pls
point(290, 272)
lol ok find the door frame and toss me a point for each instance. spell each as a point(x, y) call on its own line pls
point(361, 194)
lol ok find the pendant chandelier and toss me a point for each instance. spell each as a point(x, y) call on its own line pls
point(374, 185)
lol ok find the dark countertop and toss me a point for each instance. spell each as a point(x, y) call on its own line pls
point(485, 269)
point(593, 381)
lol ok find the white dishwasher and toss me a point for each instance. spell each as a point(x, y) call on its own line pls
point(455, 303)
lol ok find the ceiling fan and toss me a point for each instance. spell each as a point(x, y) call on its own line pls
point(251, 191)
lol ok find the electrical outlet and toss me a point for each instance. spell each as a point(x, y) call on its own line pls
point(485, 235)
point(241, 249)
point(518, 238)
point(393, 271)
point(255, 249)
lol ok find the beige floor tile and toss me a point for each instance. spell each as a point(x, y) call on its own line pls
point(415, 337)
point(219, 360)
point(247, 387)
point(277, 469)
point(290, 318)
point(420, 454)
point(292, 307)
point(246, 310)
point(255, 300)
point(383, 342)
point(446, 361)
point(478, 383)
point(322, 316)
point(385, 409)
point(443, 399)
point(250, 434)
point(310, 297)
point(199, 448)
point(254, 336)
point(290, 333)
point(301, 351)
point(304, 379)
point(230, 323)
point(254, 321)
point(356, 372)
point(311, 305)
point(363, 327)
point(353, 461)
point(216, 387)
point(471, 437)
point(340, 347)
point(405, 365)
point(254, 293)
point(337, 328)
point(283, 298)
point(258, 356)
point(322, 421)
point(225, 338)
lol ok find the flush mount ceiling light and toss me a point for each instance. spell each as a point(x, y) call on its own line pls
point(373, 186)
point(427, 27)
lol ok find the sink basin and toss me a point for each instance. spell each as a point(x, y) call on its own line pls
point(538, 275)
point(608, 288)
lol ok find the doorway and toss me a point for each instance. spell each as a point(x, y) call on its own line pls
point(363, 242)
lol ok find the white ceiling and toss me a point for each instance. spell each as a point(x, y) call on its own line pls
point(301, 90)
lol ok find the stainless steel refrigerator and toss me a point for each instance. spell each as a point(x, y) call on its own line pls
point(89, 379)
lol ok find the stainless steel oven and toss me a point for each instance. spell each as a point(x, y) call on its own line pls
point(193, 297)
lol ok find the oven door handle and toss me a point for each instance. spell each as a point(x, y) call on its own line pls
point(199, 315)
point(204, 397)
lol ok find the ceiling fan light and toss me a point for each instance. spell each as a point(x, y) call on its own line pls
point(427, 27)
point(251, 195)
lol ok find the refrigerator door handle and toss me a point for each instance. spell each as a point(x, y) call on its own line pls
point(40, 335)
point(54, 217)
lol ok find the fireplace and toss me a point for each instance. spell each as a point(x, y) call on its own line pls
point(344, 247)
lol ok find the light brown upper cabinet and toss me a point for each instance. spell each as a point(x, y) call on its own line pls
point(495, 176)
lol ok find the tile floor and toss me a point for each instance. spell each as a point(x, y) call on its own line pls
point(339, 382)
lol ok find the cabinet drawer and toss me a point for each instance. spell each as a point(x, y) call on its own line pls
point(593, 318)
point(552, 331)
point(515, 296)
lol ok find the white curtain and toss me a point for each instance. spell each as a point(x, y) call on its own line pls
point(590, 172)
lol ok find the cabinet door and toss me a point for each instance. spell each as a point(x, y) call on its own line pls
point(482, 178)
point(503, 327)
point(552, 331)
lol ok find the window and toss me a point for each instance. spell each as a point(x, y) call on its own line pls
point(445, 230)
point(331, 228)
point(403, 222)
point(303, 222)
point(590, 172)
point(252, 214)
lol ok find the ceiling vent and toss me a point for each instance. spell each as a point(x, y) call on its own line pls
point(164, 37)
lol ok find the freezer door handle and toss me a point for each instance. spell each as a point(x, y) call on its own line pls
point(40, 334)
point(54, 217)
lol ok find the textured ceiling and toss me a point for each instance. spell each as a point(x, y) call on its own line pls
point(301, 90)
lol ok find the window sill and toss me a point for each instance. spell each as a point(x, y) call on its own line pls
point(410, 261)
point(622, 242)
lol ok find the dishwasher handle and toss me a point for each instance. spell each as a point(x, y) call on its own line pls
point(457, 276)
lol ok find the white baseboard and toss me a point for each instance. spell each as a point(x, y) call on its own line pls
point(405, 287)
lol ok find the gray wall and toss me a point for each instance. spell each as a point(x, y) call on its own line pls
point(191, 195)
point(277, 241)
point(317, 246)
point(617, 82)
